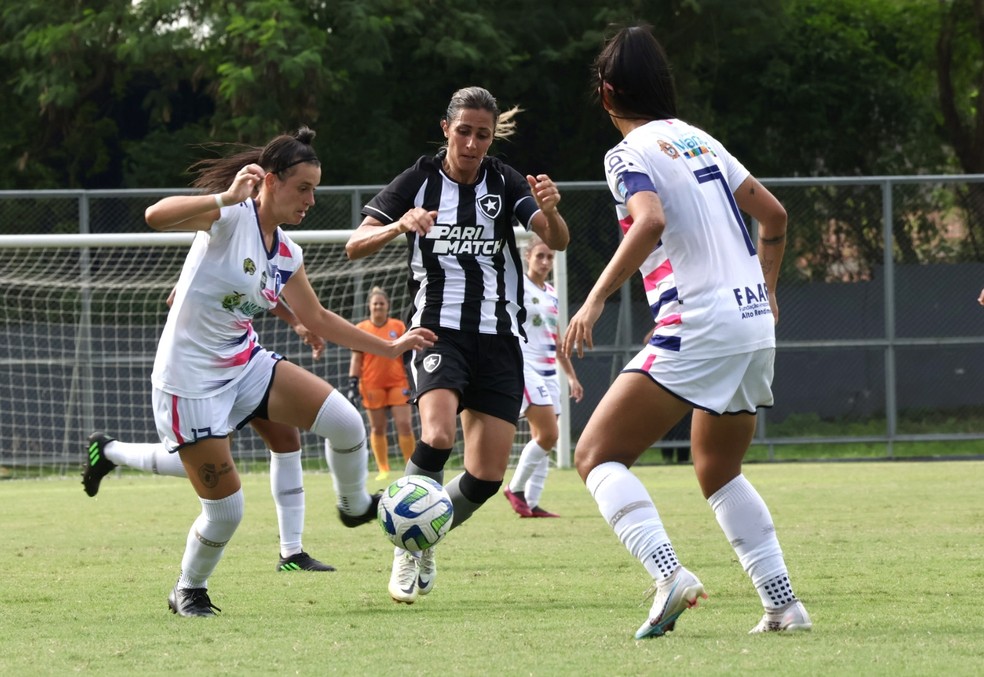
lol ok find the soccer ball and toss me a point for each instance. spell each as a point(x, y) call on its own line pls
point(415, 512)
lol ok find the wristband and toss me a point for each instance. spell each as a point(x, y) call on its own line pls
point(218, 200)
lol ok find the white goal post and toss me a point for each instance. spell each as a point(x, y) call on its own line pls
point(80, 316)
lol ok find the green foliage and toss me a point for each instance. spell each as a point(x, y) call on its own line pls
point(124, 94)
point(269, 69)
point(116, 93)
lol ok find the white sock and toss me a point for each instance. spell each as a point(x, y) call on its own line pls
point(341, 425)
point(528, 460)
point(287, 487)
point(744, 517)
point(536, 482)
point(626, 506)
point(147, 457)
point(208, 537)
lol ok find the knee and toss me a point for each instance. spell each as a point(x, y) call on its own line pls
point(339, 422)
point(228, 511)
point(282, 439)
point(478, 491)
point(546, 440)
point(585, 460)
point(439, 438)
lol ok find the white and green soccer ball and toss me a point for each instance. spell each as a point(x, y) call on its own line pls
point(415, 512)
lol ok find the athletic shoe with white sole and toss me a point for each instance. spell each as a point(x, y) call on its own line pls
point(672, 597)
point(403, 579)
point(426, 571)
point(302, 562)
point(191, 602)
point(96, 464)
point(790, 618)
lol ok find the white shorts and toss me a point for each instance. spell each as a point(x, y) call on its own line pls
point(185, 420)
point(540, 390)
point(720, 385)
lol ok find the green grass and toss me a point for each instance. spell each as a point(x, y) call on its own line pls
point(886, 556)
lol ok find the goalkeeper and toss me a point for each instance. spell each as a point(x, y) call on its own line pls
point(382, 386)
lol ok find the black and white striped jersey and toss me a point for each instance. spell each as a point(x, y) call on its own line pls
point(466, 273)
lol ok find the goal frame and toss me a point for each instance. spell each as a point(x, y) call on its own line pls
point(84, 242)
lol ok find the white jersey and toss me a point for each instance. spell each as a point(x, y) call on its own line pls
point(228, 277)
point(540, 351)
point(703, 281)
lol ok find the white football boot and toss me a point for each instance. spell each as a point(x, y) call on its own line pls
point(403, 579)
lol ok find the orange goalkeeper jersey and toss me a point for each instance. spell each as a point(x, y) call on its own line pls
point(382, 372)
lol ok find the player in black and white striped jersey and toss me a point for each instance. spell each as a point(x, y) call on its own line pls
point(457, 211)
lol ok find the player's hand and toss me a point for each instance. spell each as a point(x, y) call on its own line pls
point(415, 339)
point(576, 389)
point(418, 220)
point(579, 329)
point(545, 192)
point(311, 339)
point(244, 185)
point(980, 299)
point(353, 391)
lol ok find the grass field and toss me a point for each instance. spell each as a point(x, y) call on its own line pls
point(886, 556)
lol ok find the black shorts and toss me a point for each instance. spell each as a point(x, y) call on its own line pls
point(486, 370)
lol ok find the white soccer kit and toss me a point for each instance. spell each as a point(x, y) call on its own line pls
point(703, 281)
point(227, 279)
point(541, 384)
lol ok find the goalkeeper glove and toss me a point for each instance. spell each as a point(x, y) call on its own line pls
point(353, 391)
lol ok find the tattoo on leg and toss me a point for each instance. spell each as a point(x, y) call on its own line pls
point(209, 474)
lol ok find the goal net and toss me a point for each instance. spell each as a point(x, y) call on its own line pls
point(80, 317)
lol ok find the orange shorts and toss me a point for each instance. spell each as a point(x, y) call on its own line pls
point(380, 398)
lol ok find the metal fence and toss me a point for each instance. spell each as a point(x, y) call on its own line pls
point(879, 344)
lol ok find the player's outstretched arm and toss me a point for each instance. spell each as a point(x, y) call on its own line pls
point(284, 313)
point(648, 221)
point(337, 329)
point(574, 385)
point(199, 212)
point(372, 235)
point(755, 199)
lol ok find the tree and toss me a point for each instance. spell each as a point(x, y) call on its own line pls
point(961, 88)
point(116, 92)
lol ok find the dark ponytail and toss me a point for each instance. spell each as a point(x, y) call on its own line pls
point(215, 175)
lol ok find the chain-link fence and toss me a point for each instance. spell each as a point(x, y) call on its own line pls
point(880, 339)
